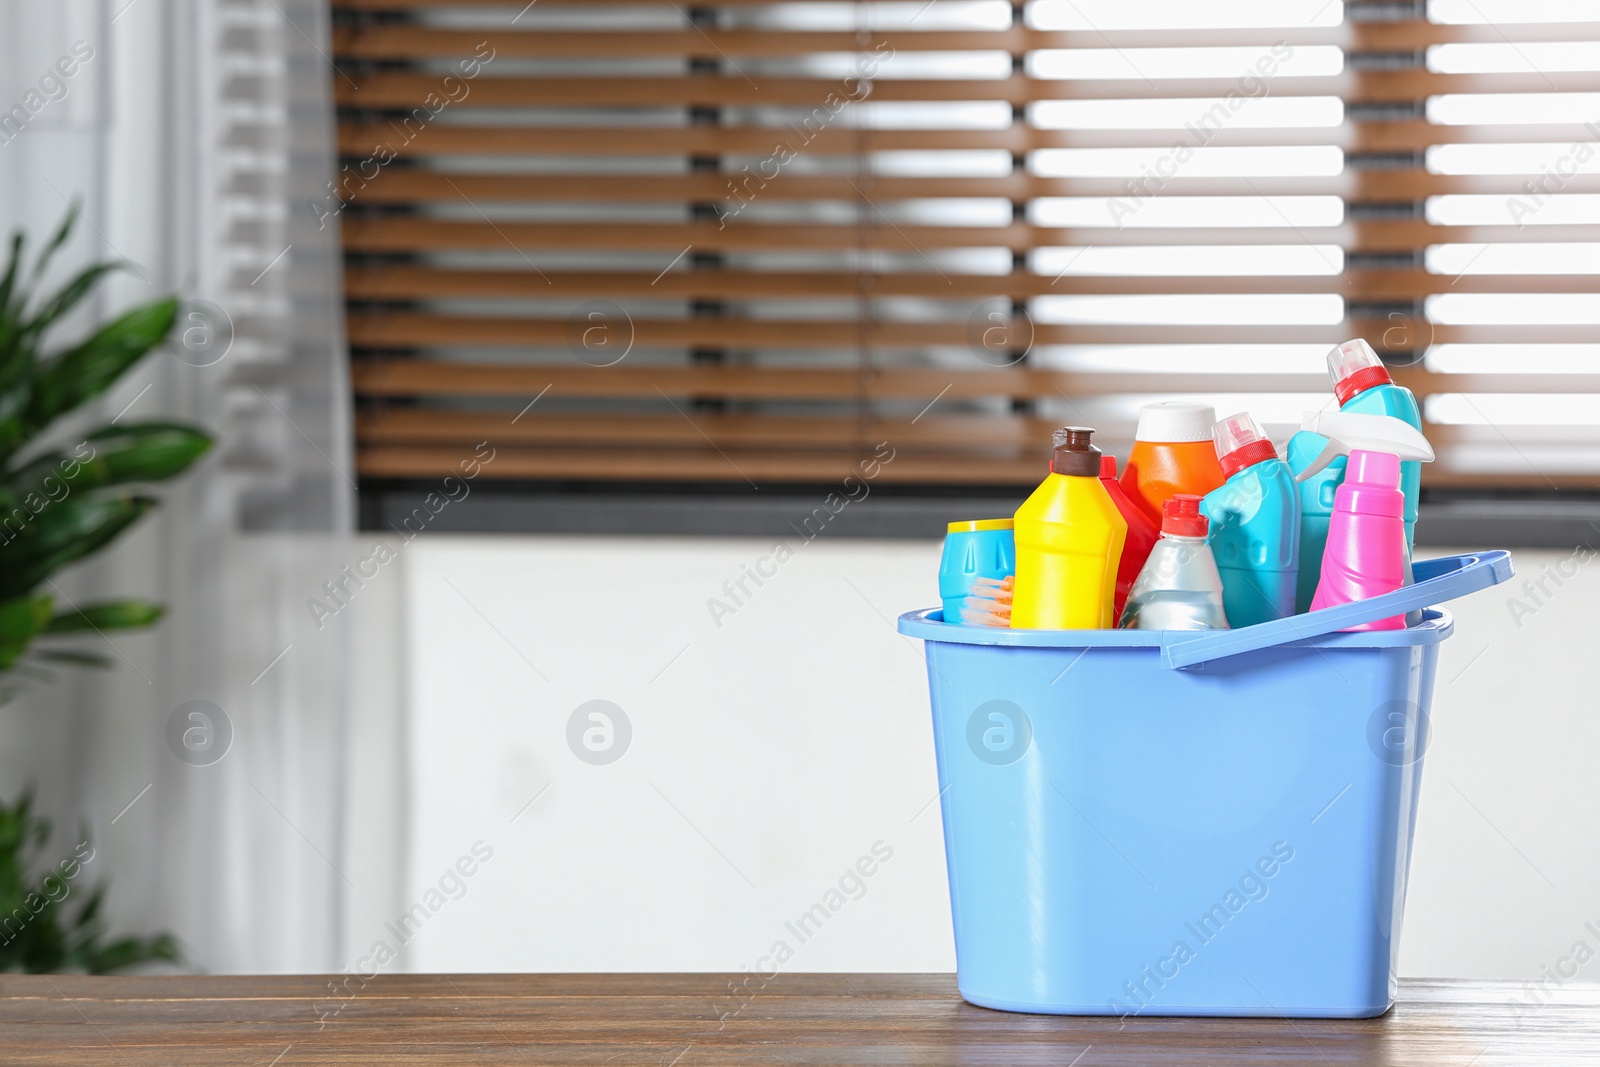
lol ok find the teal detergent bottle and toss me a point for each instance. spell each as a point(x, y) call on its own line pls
point(1255, 524)
point(1362, 385)
point(1316, 509)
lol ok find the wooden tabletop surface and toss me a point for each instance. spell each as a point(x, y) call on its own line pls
point(696, 1019)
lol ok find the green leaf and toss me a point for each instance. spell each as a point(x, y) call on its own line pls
point(9, 282)
point(128, 952)
point(14, 431)
point(63, 533)
point(77, 659)
point(58, 239)
point(20, 619)
point(67, 933)
point(106, 615)
point(138, 452)
point(16, 521)
point(54, 508)
point(10, 318)
point(89, 914)
point(65, 299)
point(84, 372)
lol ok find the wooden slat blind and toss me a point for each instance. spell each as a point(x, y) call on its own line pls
point(747, 240)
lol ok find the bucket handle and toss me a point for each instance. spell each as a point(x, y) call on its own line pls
point(1436, 580)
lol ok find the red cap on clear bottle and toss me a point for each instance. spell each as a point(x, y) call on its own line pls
point(1180, 516)
point(1355, 368)
point(1241, 443)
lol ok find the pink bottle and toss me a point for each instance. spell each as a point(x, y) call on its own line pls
point(1366, 553)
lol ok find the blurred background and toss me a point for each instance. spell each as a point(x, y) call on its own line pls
point(527, 333)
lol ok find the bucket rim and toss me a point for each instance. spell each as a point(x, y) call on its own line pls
point(928, 625)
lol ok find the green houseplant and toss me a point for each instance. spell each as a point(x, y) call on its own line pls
point(61, 501)
point(61, 504)
point(48, 923)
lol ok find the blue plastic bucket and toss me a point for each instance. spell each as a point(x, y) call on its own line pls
point(1182, 823)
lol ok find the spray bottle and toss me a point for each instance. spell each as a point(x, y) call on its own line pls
point(1255, 524)
point(1362, 385)
point(1366, 550)
point(1069, 537)
point(1180, 587)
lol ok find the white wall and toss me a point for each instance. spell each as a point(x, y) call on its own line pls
point(769, 754)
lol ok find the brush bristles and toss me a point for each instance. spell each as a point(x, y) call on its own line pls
point(988, 602)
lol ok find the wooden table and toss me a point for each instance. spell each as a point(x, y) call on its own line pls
point(689, 1020)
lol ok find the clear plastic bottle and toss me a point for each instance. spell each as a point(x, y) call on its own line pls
point(1180, 587)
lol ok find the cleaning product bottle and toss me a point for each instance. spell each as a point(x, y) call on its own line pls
point(978, 548)
point(1362, 386)
point(1171, 453)
point(1180, 587)
point(1069, 538)
point(1255, 524)
point(1365, 555)
point(1142, 534)
point(1343, 432)
point(1316, 507)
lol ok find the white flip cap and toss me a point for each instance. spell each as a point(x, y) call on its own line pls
point(1175, 421)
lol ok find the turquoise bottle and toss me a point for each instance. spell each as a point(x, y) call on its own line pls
point(1362, 385)
point(1316, 509)
point(974, 548)
point(1255, 524)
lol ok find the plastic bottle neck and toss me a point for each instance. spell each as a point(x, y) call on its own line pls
point(1371, 485)
point(1247, 456)
point(1359, 382)
point(1074, 456)
point(1364, 498)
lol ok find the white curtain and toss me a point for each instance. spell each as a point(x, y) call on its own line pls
point(196, 135)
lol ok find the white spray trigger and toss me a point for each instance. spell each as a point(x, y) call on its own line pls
point(1346, 430)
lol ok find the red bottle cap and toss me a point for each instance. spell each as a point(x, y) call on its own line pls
point(1180, 516)
point(1355, 368)
point(1108, 468)
point(1241, 442)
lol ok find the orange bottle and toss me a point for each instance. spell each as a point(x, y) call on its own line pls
point(1172, 453)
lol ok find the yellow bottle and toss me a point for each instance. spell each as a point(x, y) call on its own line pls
point(1069, 537)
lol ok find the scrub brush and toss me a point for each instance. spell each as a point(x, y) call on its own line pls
point(988, 602)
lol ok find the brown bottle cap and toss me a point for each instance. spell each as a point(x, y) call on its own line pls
point(1074, 455)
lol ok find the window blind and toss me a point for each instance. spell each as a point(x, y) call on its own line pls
point(750, 241)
